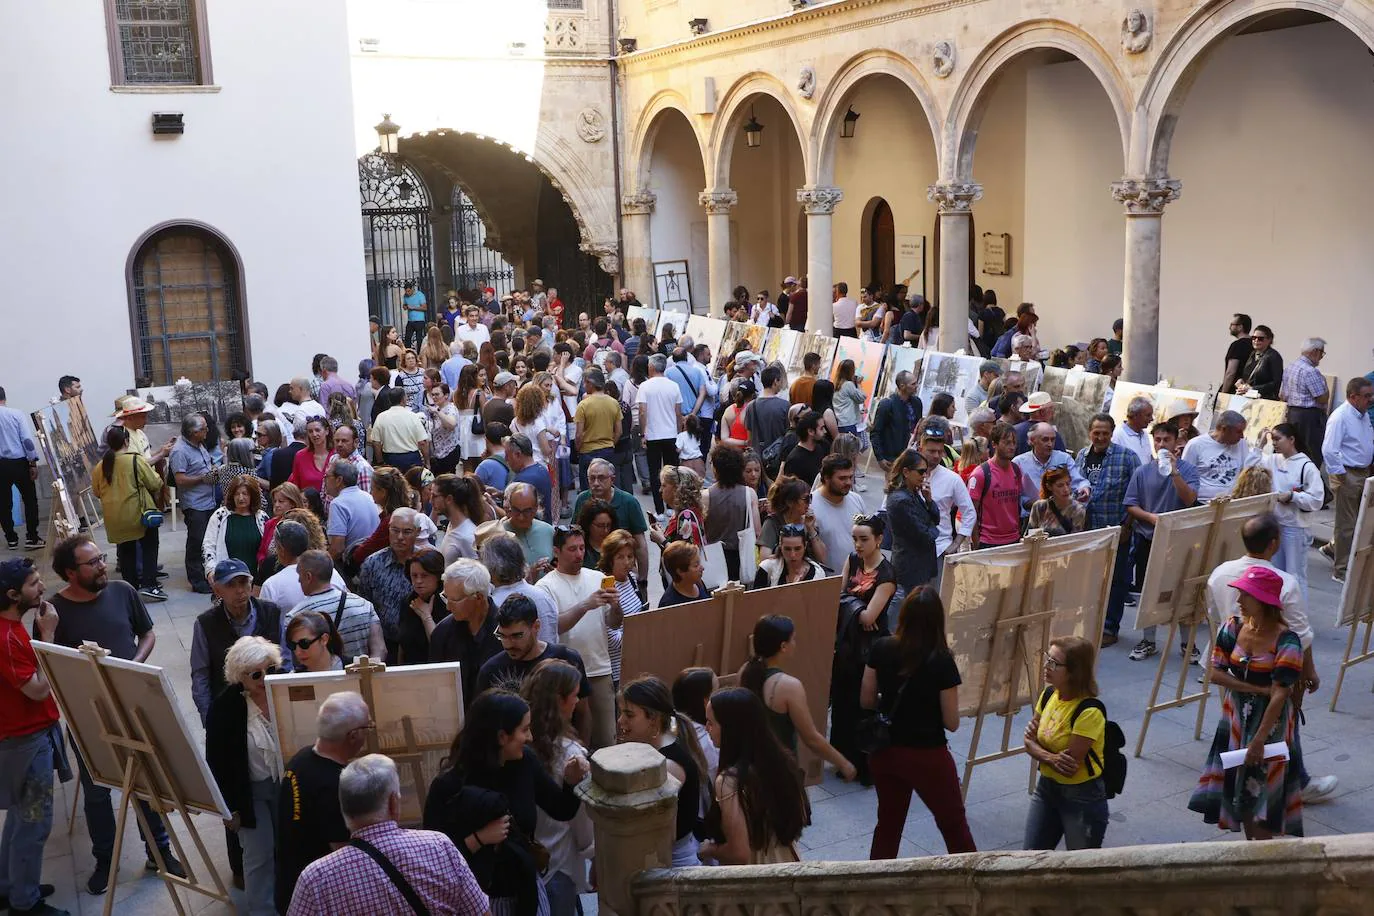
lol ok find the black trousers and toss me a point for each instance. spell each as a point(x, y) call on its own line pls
point(197, 520)
point(660, 452)
point(14, 472)
point(1311, 424)
point(127, 560)
point(845, 332)
point(414, 336)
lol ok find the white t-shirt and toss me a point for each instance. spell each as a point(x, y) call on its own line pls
point(1217, 465)
point(1142, 443)
point(477, 336)
point(662, 399)
point(845, 311)
point(588, 635)
point(460, 541)
point(573, 373)
point(835, 524)
point(688, 446)
point(763, 312)
point(283, 588)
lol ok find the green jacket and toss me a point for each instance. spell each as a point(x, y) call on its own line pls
point(133, 488)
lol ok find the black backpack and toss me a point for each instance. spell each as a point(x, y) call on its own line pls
point(1113, 768)
point(776, 452)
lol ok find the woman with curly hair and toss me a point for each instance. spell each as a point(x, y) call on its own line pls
point(311, 522)
point(550, 689)
point(434, 351)
point(235, 529)
point(411, 379)
point(681, 489)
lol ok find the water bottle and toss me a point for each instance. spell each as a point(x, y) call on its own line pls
point(1166, 463)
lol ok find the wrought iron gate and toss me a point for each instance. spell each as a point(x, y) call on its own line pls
point(475, 266)
point(398, 240)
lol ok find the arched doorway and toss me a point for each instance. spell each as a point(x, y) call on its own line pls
point(186, 307)
point(398, 244)
point(882, 247)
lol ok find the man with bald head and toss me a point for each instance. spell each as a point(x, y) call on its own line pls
point(1042, 457)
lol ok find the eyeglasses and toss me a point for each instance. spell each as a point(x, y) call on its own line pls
point(371, 726)
point(862, 519)
point(1258, 337)
point(300, 645)
point(263, 672)
point(96, 562)
point(1052, 663)
point(405, 532)
point(512, 510)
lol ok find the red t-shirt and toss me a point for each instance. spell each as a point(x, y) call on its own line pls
point(999, 512)
point(19, 715)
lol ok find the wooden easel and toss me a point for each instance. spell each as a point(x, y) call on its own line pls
point(410, 755)
point(126, 731)
point(1363, 602)
point(1189, 609)
point(1016, 629)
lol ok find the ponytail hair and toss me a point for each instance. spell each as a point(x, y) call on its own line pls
point(771, 631)
point(116, 438)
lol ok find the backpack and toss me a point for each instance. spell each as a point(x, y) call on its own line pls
point(1113, 768)
point(776, 453)
point(986, 467)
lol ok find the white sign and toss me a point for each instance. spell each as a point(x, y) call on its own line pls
point(911, 262)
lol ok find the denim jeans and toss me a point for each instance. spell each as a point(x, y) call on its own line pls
point(562, 894)
point(259, 851)
point(1294, 542)
point(100, 818)
point(1077, 814)
point(27, 772)
point(1116, 596)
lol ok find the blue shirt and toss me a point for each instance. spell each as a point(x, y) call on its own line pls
point(493, 473)
point(1153, 492)
point(194, 461)
point(1003, 346)
point(353, 516)
point(689, 378)
point(415, 304)
point(15, 441)
point(450, 369)
point(537, 476)
point(1032, 471)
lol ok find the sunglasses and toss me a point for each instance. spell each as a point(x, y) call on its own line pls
point(794, 531)
point(261, 673)
point(568, 529)
point(300, 645)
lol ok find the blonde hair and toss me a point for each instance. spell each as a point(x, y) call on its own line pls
point(248, 654)
point(434, 351)
point(688, 483)
point(973, 453)
point(1253, 481)
point(312, 526)
point(530, 402)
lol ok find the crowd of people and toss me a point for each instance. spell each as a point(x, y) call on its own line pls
point(475, 497)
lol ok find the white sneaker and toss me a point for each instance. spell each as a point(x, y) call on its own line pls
point(1319, 790)
point(1143, 650)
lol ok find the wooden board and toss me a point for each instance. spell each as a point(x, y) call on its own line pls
point(1357, 595)
point(735, 331)
point(651, 317)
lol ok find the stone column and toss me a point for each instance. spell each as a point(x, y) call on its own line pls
point(636, 212)
point(819, 204)
point(1144, 199)
point(718, 205)
point(633, 806)
point(954, 201)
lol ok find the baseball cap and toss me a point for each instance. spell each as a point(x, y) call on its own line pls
point(503, 378)
point(14, 573)
point(228, 570)
point(746, 356)
point(788, 281)
point(747, 387)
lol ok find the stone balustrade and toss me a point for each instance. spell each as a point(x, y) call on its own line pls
point(1327, 876)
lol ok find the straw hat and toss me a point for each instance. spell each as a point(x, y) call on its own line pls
point(1180, 408)
point(1038, 401)
point(130, 404)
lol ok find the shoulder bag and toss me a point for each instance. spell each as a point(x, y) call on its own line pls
point(149, 516)
point(875, 730)
point(397, 879)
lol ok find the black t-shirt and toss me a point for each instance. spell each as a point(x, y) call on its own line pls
point(411, 635)
point(1239, 350)
point(453, 641)
point(308, 818)
point(502, 670)
point(916, 720)
point(804, 464)
point(115, 620)
point(912, 322)
point(671, 596)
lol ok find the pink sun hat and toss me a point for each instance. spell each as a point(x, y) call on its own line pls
point(1261, 583)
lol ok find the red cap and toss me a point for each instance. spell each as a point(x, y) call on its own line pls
point(1261, 583)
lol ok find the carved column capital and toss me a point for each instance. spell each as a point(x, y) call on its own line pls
point(717, 202)
point(954, 196)
point(819, 200)
point(1146, 196)
point(641, 203)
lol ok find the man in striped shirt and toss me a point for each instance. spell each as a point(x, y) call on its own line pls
point(1304, 391)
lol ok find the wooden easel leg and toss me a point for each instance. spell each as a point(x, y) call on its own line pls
point(1154, 691)
point(972, 754)
point(76, 801)
point(1206, 685)
point(126, 795)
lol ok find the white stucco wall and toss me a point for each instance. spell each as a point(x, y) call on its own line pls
point(267, 161)
point(1272, 149)
point(764, 224)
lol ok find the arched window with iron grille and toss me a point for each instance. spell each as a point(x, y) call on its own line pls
point(398, 236)
point(474, 266)
point(186, 307)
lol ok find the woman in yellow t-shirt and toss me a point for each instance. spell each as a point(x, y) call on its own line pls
point(1070, 800)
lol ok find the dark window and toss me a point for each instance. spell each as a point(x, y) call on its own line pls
point(157, 42)
point(187, 313)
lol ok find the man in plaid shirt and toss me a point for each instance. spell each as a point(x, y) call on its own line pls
point(423, 870)
point(1304, 391)
point(1108, 467)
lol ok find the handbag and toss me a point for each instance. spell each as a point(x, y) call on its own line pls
point(148, 517)
point(874, 732)
point(479, 426)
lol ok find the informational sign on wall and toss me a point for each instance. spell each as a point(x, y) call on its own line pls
point(997, 254)
point(911, 263)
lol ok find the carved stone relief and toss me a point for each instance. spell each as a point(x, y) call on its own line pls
point(944, 58)
point(1136, 32)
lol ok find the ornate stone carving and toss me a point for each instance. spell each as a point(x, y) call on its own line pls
point(1146, 196)
point(607, 253)
point(944, 57)
point(806, 82)
point(563, 34)
point(591, 126)
point(716, 202)
point(1136, 32)
point(954, 197)
point(819, 200)
point(641, 203)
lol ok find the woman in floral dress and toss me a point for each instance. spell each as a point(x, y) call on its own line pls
point(1257, 661)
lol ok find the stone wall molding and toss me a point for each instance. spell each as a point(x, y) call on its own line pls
point(640, 203)
point(1146, 196)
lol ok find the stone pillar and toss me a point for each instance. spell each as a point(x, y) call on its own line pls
point(819, 204)
point(633, 806)
point(954, 201)
point(1144, 199)
point(718, 205)
point(636, 212)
